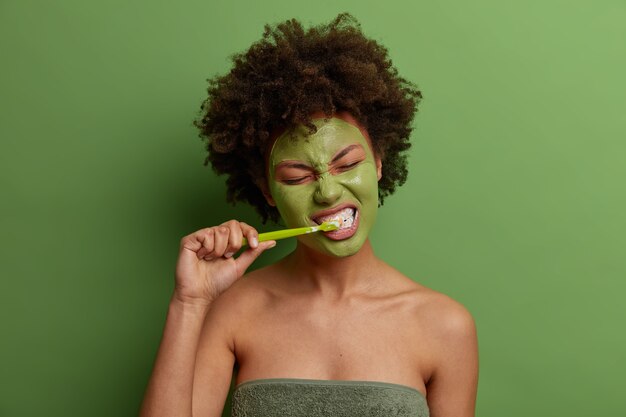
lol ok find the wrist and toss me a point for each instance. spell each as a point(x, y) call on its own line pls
point(192, 305)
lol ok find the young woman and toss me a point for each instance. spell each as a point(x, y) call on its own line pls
point(310, 126)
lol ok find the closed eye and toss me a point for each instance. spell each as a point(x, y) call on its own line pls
point(348, 158)
point(295, 181)
point(350, 165)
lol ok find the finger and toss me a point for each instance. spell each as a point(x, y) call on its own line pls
point(221, 240)
point(234, 238)
point(251, 235)
point(207, 238)
point(246, 258)
point(197, 242)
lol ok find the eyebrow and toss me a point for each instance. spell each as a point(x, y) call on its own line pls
point(292, 164)
point(345, 151)
point(338, 156)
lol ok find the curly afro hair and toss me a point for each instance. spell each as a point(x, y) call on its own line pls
point(287, 76)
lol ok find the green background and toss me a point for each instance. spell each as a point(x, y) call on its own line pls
point(515, 203)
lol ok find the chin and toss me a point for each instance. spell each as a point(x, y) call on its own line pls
point(335, 248)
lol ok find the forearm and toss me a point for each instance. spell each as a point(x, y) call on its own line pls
point(169, 391)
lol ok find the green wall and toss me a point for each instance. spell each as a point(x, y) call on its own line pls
point(515, 204)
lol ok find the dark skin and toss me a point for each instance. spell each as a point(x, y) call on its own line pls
point(290, 73)
point(375, 324)
point(294, 172)
point(310, 316)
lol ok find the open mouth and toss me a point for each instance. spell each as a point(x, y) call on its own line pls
point(344, 217)
point(347, 215)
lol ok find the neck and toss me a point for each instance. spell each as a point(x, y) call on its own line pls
point(331, 276)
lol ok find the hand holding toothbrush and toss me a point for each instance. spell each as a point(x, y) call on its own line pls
point(206, 266)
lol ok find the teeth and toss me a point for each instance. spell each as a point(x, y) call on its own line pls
point(345, 218)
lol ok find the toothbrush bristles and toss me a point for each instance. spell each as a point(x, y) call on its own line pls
point(330, 225)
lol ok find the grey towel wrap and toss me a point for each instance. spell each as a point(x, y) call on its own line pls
point(315, 398)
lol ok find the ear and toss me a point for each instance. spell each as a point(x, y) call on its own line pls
point(269, 199)
point(262, 184)
point(379, 167)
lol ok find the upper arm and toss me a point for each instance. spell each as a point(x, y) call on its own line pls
point(453, 384)
point(215, 359)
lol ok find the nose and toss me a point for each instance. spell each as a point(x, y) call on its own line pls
point(328, 190)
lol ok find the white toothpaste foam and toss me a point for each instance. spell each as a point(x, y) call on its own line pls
point(345, 218)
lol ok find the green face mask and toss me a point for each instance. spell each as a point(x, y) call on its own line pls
point(330, 175)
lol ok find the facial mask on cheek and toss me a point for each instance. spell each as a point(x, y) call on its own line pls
point(356, 187)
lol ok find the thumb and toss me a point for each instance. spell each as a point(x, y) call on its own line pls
point(246, 258)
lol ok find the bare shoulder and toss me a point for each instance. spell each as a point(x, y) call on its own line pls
point(445, 331)
point(446, 317)
point(441, 316)
point(449, 353)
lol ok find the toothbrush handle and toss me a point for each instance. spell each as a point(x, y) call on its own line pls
point(281, 234)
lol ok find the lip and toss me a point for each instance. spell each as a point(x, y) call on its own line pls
point(332, 211)
point(339, 234)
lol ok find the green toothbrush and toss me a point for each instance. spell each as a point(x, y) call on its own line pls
point(281, 234)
